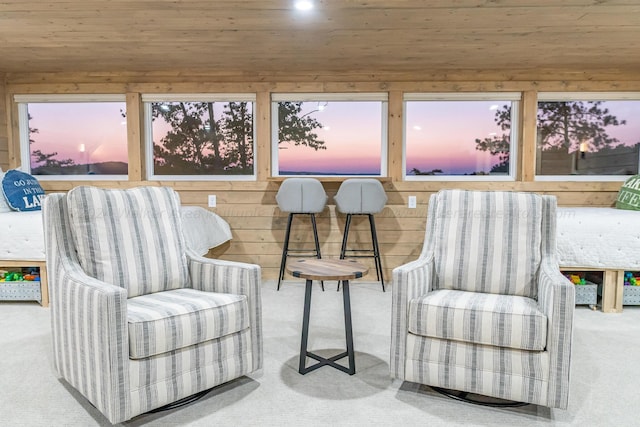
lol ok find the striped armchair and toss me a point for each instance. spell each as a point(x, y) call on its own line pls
point(138, 320)
point(485, 309)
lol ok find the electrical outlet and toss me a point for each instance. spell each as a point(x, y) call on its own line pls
point(212, 200)
point(412, 202)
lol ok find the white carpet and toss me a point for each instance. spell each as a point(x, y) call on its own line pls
point(604, 383)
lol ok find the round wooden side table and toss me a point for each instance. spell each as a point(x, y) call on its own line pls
point(327, 269)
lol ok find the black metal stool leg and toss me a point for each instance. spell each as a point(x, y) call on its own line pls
point(285, 250)
point(376, 251)
point(317, 242)
point(345, 238)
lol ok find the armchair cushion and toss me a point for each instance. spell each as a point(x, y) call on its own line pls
point(488, 241)
point(170, 320)
point(130, 238)
point(479, 318)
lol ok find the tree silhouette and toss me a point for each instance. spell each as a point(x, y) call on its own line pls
point(200, 142)
point(237, 129)
point(416, 171)
point(499, 145)
point(195, 141)
point(45, 160)
point(568, 124)
point(564, 125)
point(296, 128)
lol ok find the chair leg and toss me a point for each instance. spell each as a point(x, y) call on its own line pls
point(285, 250)
point(376, 251)
point(317, 242)
point(345, 238)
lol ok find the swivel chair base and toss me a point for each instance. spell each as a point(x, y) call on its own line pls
point(481, 400)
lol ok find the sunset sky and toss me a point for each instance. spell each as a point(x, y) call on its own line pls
point(352, 132)
point(64, 127)
point(439, 135)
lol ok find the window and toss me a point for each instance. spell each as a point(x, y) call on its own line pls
point(460, 136)
point(206, 136)
point(73, 136)
point(587, 136)
point(329, 134)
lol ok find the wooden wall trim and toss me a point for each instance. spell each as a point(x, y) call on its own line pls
point(262, 157)
point(527, 157)
point(539, 75)
point(322, 87)
point(135, 137)
point(4, 120)
point(394, 138)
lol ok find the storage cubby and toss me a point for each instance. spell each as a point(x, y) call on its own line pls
point(586, 285)
point(631, 288)
point(19, 289)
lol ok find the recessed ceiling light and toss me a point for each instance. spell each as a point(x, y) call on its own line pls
point(303, 5)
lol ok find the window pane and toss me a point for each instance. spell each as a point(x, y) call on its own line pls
point(588, 138)
point(202, 138)
point(458, 137)
point(329, 138)
point(78, 138)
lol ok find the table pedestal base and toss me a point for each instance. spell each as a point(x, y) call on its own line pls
point(350, 353)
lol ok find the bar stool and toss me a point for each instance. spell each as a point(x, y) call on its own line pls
point(362, 196)
point(300, 196)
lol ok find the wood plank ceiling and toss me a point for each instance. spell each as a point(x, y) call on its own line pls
point(249, 36)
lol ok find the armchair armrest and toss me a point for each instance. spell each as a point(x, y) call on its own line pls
point(409, 281)
point(556, 299)
point(88, 321)
point(214, 275)
point(90, 337)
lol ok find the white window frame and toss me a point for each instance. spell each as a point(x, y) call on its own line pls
point(514, 97)
point(148, 99)
point(382, 97)
point(23, 126)
point(584, 96)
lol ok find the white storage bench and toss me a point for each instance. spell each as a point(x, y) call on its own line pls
point(600, 239)
point(22, 245)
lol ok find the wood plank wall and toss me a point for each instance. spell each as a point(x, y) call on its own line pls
point(4, 129)
point(250, 207)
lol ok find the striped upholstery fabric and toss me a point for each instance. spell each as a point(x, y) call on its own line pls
point(439, 333)
point(478, 318)
point(214, 275)
point(488, 241)
point(130, 238)
point(90, 332)
point(522, 376)
point(168, 377)
point(170, 320)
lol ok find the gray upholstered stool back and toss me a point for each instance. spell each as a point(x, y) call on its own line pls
point(360, 196)
point(301, 195)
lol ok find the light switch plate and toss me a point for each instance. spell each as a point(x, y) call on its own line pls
point(412, 202)
point(212, 200)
